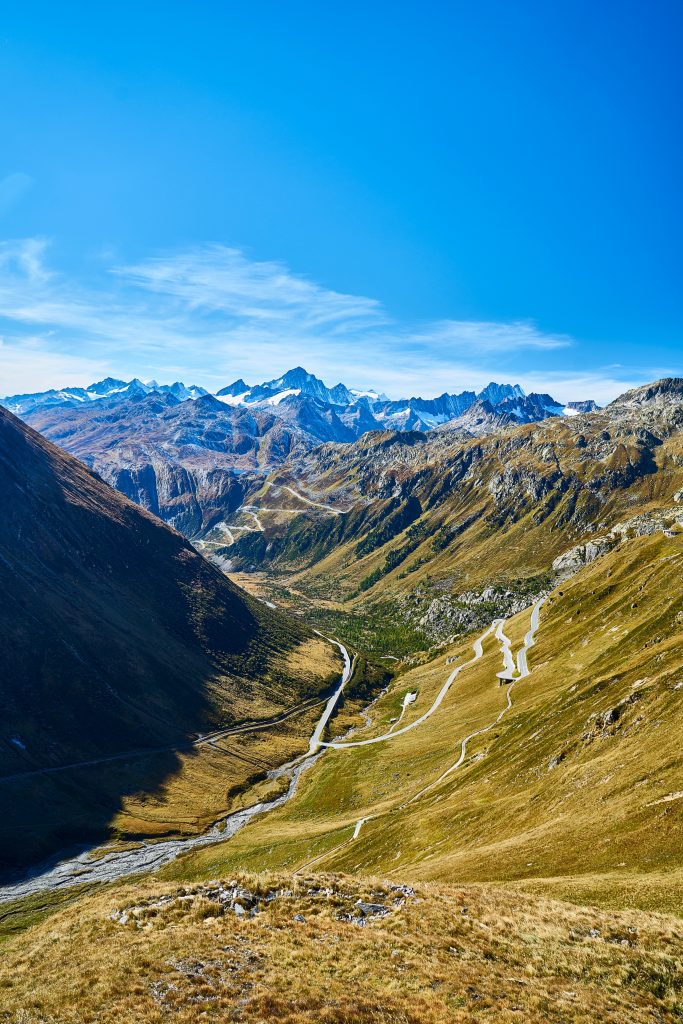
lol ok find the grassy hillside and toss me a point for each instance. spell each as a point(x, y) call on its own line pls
point(453, 869)
point(580, 781)
point(121, 647)
point(330, 949)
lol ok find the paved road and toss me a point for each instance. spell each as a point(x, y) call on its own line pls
point(308, 501)
point(255, 510)
point(529, 639)
point(208, 738)
point(522, 669)
point(506, 647)
point(150, 856)
point(249, 511)
point(478, 652)
point(331, 704)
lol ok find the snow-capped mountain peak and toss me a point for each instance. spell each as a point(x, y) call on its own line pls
point(106, 386)
point(300, 397)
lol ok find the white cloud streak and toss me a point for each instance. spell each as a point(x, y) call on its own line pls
point(211, 314)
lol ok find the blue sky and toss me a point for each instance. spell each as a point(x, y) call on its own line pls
point(415, 196)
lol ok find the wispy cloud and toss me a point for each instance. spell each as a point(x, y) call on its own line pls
point(483, 336)
point(218, 279)
point(211, 314)
point(30, 364)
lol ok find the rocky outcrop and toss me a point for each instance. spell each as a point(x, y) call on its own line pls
point(190, 500)
point(644, 525)
point(571, 561)
point(667, 391)
point(443, 617)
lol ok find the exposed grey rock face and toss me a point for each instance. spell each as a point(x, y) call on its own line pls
point(189, 499)
point(178, 450)
point(445, 616)
point(586, 406)
point(644, 525)
point(574, 559)
point(109, 388)
point(190, 462)
point(665, 392)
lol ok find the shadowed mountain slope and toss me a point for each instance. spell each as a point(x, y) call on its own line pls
point(115, 635)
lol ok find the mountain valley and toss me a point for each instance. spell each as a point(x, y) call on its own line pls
point(494, 788)
point(341, 513)
point(443, 532)
point(122, 649)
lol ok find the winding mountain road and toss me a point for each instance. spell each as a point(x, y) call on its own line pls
point(203, 740)
point(249, 511)
point(506, 647)
point(255, 511)
point(530, 638)
point(332, 702)
point(307, 501)
point(509, 667)
point(478, 649)
point(522, 671)
point(148, 856)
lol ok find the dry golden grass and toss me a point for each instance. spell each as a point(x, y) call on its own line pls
point(216, 779)
point(441, 954)
point(313, 657)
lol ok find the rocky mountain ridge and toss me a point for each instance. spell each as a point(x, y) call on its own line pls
point(354, 411)
point(443, 517)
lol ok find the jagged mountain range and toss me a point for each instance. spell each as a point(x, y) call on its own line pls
point(187, 455)
point(351, 411)
point(108, 389)
point(439, 523)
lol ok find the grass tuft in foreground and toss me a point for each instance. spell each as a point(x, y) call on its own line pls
point(334, 949)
